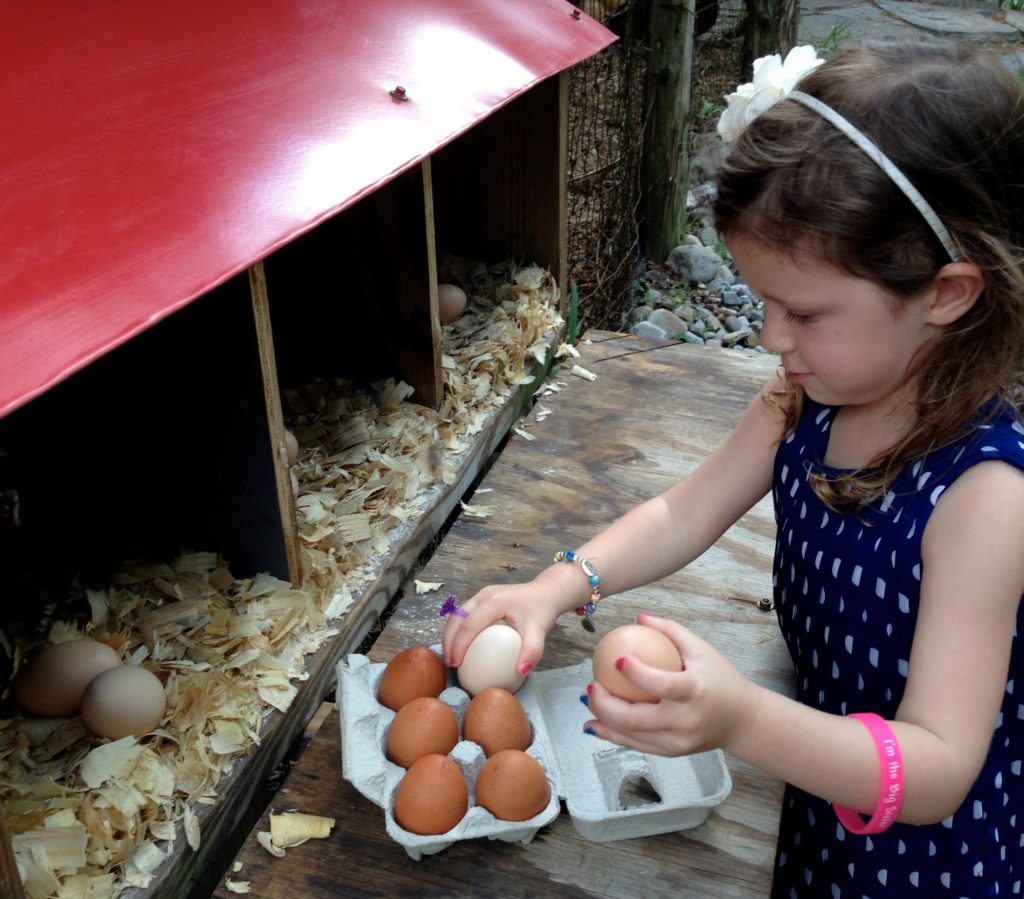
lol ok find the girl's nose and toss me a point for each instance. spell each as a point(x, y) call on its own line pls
point(776, 335)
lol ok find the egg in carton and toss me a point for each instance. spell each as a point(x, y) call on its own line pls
point(590, 774)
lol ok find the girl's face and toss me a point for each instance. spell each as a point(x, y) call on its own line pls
point(844, 339)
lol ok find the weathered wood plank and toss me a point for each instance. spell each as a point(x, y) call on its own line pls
point(650, 417)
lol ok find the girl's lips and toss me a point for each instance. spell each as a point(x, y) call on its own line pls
point(797, 376)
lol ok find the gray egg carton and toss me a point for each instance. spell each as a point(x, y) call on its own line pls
point(590, 774)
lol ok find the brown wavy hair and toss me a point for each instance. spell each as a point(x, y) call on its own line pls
point(951, 117)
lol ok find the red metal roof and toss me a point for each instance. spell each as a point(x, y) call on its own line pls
point(150, 151)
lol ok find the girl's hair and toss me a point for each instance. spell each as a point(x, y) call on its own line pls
point(951, 118)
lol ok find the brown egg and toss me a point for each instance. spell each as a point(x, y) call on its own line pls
point(642, 642)
point(123, 701)
point(51, 684)
point(451, 301)
point(416, 671)
point(512, 786)
point(495, 720)
point(432, 797)
point(423, 726)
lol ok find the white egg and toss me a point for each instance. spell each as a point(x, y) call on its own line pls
point(291, 446)
point(491, 660)
point(451, 302)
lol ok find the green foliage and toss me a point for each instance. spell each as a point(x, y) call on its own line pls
point(708, 110)
point(1011, 4)
point(572, 328)
point(680, 295)
point(837, 35)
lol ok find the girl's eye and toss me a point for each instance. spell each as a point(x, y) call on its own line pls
point(800, 319)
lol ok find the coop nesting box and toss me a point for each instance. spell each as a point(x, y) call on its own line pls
point(205, 204)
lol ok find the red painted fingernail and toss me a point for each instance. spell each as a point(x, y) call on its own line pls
point(453, 662)
point(619, 663)
point(527, 668)
point(590, 688)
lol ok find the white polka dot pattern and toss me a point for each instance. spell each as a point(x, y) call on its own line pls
point(847, 589)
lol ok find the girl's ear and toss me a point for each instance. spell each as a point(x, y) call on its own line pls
point(956, 288)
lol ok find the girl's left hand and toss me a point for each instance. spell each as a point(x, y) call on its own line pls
point(707, 705)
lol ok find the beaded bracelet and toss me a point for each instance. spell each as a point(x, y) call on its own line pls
point(586, 611)
point(890, 789)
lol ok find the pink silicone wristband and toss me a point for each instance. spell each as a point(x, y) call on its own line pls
point(890, 771)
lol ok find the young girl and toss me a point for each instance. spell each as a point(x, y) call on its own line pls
point(877, 213)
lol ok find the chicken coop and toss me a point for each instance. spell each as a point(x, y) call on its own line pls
point(231, 416)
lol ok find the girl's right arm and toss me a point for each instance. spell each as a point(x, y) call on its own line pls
point(653, 540)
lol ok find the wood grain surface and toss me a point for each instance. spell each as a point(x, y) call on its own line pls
point(599, 447)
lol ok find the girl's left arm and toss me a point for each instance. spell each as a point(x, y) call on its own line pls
point(972, 582)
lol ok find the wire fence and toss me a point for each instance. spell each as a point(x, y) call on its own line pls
point(605, 155)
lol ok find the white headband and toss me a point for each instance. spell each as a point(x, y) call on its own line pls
point(886, 165)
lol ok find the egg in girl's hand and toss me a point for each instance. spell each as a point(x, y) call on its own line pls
point(416, 671)
point(491, 660)
point(423, 726)
point(432, 797)
point(451, 301)
point(53, 681)
point(512, 786)
point(644, 643)
point(123, 701)
point(495, 721)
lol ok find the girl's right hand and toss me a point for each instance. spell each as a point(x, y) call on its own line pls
point(530, 608)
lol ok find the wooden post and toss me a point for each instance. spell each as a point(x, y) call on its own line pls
point(771, 28)
point(666, 158)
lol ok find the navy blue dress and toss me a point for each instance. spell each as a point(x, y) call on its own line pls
point(847, 594)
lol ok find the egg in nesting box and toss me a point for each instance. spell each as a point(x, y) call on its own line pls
point(451, 302)
point(124, 701)
point(51, 684)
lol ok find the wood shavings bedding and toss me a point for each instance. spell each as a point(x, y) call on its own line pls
point(91, 817)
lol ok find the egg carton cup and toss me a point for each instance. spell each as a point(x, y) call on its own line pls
point(589, 773)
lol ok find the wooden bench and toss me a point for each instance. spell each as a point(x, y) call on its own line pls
point(599, 447)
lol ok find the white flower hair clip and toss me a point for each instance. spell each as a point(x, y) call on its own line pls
point(774, 78)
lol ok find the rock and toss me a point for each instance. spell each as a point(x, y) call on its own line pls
point(669, 322)
point(694, 263)
point(731, 298)
point(686, 312)
point(690, 337)
point(725, 275)
point(709, 236)
point(646, 329)
point(711, 321)
point(639, 314)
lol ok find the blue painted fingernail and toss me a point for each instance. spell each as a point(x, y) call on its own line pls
point(585, 699)
point(590, 730)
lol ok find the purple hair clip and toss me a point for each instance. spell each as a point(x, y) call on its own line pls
point(448, 607)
